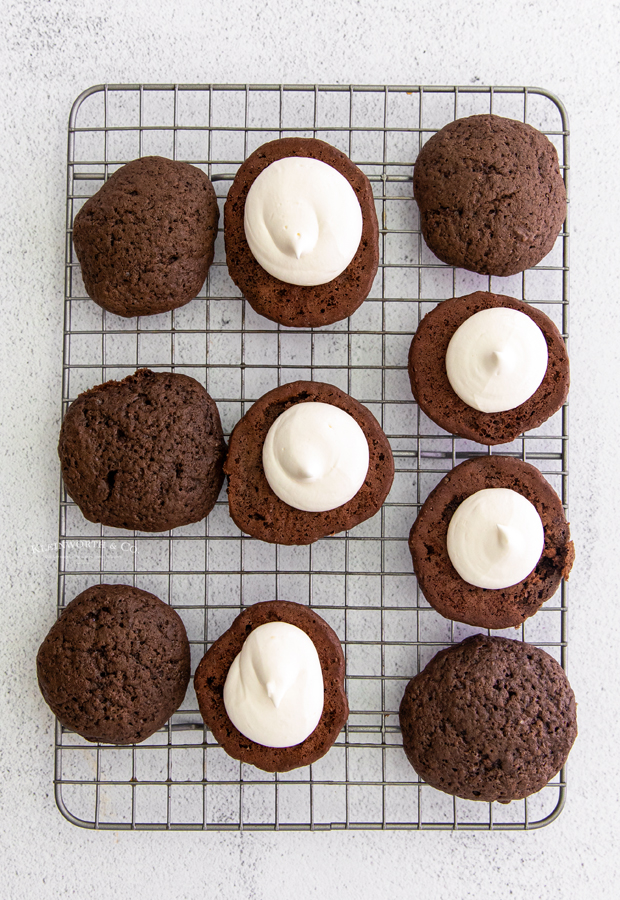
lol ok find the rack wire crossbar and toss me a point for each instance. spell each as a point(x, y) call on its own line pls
point(361, 581)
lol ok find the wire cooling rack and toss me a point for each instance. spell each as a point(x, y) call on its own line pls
point(361, 581)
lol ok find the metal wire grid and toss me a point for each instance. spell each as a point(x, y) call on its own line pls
point(361, 582)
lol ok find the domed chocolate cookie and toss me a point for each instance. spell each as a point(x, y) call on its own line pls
point(434, 393)
point(292, 304)
point(489, 719)
point(116, 664)
point(439, 581)
point(145, 239)
point(213, 670)
point(254, 506)
point(490, 193)
point(143, 453)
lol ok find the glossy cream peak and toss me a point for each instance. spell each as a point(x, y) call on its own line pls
point(495, 538)
point(496, 359)
point(302, 221)
point(274, 692)
point(315, 457)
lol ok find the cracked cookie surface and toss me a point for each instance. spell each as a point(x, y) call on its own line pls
point(144, 453)
point(490, 193)
point(145, 239)
point(116, 664)
point(489, 719)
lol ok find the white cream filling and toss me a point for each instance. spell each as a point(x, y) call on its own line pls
point(274, 691)
point(496, 359)
point(315, 457)
point(495, 538)
point(302, 220)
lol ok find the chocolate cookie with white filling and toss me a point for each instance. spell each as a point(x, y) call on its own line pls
point(253, 504)
point(301, 305)
point(439, 581)
point(214, 668)
point(435, 395)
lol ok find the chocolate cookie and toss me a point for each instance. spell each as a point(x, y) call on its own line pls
point(490, 193)
point(439, 581)
point(145, 239)
point(145, 453)
point(292, 304)
point(116, 664)
point(433, 391)
point(211, 676)
point(489, 719)
point(253, 505)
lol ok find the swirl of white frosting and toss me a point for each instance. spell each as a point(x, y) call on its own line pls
point(315, 457)
point(496, 359)
point(274, 691)
point(302, 220)
point(495, 538)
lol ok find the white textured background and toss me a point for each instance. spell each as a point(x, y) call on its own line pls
point(49, 52)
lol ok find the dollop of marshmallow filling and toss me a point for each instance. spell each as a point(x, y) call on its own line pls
point(315, 457)
point(496, 359)
point(274, 692)
point(302, 221)
point(495, 538)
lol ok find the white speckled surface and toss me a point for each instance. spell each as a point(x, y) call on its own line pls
point(50, 52)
